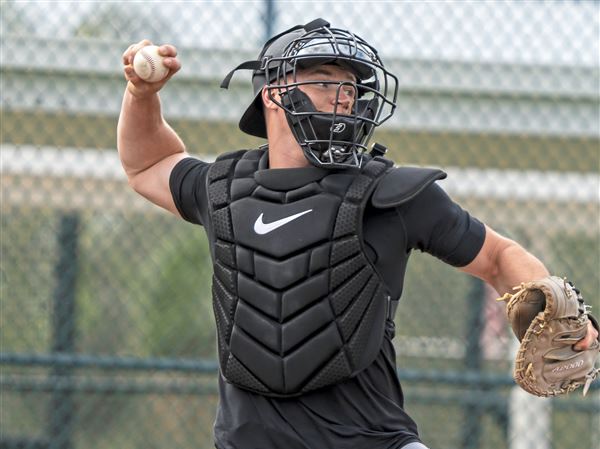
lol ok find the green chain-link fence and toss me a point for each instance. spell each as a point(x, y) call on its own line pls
point(107, 334)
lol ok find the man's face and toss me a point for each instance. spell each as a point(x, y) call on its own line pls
point(325, 90)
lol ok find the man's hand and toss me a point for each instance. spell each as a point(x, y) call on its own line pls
point(590, 338)
point(137, 86)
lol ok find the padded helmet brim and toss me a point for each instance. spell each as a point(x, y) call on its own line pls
point(253, 119)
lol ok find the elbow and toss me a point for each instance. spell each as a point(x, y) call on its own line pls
point(133, 180)
point(488, 265)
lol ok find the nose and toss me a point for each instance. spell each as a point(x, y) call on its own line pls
point(343, 99)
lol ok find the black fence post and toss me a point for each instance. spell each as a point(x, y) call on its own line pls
point(61, 412)
point(269, 18)
point(473, 356)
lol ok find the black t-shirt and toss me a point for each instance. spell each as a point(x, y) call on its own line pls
point(367, 410)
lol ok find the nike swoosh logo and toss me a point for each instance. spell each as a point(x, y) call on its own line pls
point(262, 228)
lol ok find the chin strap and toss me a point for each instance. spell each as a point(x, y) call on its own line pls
point(248, 65)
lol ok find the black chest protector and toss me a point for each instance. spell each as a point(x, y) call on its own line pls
point(298, 304)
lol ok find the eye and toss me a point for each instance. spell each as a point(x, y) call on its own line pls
point(349, 91)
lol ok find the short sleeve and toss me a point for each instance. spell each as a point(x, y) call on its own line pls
point(188, 188)
point(437, 225)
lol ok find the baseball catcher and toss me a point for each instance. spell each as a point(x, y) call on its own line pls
point(310, 237)
point(549, 317)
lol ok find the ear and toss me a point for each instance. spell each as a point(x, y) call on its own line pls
point(268, 102)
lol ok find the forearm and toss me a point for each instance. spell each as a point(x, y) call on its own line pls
point(504, 264)
point(515, 265)
point(143, 136)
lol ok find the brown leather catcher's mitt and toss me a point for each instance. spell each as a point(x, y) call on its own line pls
point(548, 317)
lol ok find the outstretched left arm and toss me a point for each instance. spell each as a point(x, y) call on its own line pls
point(504, 264)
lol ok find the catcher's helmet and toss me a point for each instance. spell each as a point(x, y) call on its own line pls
point(329, 139)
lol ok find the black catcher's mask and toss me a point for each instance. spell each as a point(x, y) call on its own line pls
point(328, 139)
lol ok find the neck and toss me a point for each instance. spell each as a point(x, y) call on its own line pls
point(286, 153)
point(284, 150)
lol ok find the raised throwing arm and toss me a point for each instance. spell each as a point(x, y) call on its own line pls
point(148, 147)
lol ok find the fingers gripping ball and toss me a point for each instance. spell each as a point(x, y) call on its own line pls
point(547, 363)
point(148, 64)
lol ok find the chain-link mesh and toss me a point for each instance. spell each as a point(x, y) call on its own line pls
point(106, 324)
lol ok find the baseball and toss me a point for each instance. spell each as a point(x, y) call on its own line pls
point(148, 64)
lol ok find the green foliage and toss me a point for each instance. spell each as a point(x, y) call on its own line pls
point(144, 287)
point(28, 250)
point(180, 318)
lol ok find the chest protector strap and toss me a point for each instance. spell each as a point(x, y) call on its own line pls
point(301, 307)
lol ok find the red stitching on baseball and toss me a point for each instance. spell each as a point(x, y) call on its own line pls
point(148, 58)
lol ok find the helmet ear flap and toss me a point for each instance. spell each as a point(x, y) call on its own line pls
point(295, 100)
point(301, 108)
point(367, 107)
